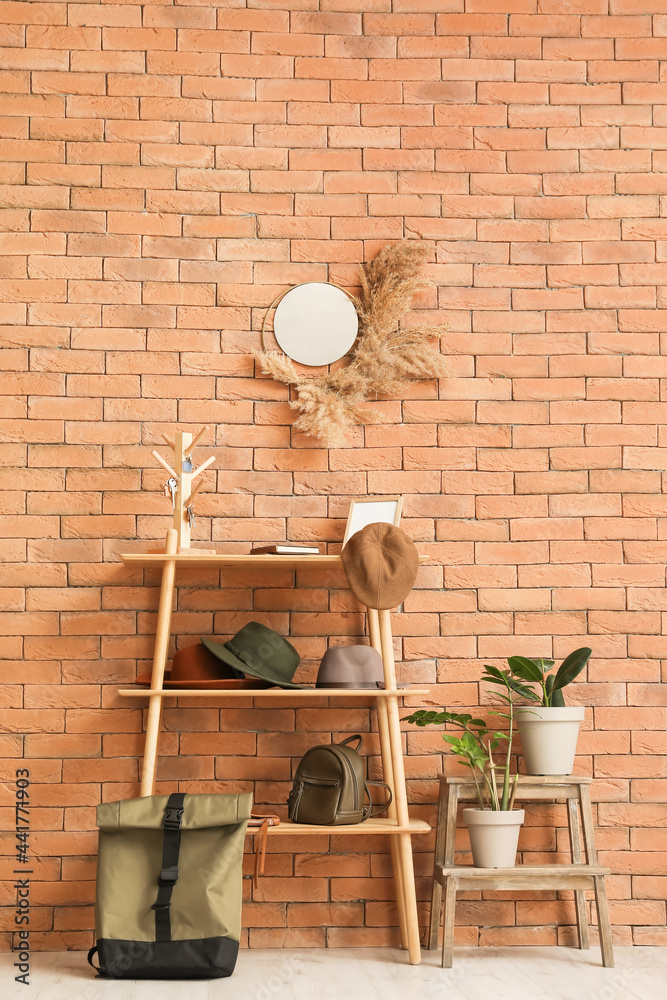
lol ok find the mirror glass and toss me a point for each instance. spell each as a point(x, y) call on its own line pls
point(315, 323)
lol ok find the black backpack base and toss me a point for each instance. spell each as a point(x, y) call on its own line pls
point(203, 958)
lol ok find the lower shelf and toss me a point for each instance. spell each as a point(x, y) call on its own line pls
point(369, 827)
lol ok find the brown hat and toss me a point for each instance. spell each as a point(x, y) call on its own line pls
point(381, 564)
point(196, 667)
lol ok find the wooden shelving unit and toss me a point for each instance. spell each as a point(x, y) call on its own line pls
point(397, 825)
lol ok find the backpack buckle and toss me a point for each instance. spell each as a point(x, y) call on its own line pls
point(168, 876)
point(173, 818)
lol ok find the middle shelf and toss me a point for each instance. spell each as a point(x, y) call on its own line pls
point(278, 693)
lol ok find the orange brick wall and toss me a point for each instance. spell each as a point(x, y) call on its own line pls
point(165, 170)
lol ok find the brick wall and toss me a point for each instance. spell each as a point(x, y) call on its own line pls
point(165, 170)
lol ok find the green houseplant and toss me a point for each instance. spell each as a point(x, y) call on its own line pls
point(486, 751)
point(548, 729)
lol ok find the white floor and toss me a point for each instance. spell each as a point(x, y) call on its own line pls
point(368, 974)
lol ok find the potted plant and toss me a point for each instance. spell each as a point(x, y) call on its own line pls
point(548, 729)
point(494, 824)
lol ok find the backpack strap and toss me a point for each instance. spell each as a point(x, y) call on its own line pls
point(260, 852)
point(371, 810)
point(348, 741)
point(171, 846)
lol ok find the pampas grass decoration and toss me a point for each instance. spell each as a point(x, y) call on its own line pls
point(386, 358)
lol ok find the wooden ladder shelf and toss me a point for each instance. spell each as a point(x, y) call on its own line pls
point(398, 825)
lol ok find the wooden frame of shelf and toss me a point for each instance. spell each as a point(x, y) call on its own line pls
point(397, 825)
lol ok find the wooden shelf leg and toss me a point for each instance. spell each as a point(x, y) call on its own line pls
point(162, 633)
point(406, 862)
point(587, 824)
point(449, 923)
point(445, 843)
point(438, 860)
point(604, 926)
point(577, 858)
point(388, 775)
point(383, 728)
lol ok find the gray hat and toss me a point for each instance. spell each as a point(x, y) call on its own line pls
point(351, 667)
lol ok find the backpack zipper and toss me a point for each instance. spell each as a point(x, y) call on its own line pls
point(294, 799)
point(353, 778)
point(297, 791)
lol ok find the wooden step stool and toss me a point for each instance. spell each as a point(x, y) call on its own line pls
point(578, 876)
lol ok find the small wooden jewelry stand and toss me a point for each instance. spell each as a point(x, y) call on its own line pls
point(182, 493)
point(397, 824)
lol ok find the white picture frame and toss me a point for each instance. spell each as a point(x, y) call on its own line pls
point(369, 510)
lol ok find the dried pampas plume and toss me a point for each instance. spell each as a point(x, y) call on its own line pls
point(386, 356)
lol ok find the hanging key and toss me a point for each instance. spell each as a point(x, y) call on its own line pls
point(171, 485)
point(191, 516)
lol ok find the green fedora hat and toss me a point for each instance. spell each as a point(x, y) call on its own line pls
point(258, 651)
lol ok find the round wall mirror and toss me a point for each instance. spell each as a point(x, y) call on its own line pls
point(315, 323)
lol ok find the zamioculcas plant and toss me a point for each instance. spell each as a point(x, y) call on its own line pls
point(476, 746)
point(525, 671)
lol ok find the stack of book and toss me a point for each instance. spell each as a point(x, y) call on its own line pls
point(286, 549)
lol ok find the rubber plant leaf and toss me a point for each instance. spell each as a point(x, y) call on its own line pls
point(525, 669)
point(524, 691)
point(553, 699)
point(571, 667)
point(557, 700)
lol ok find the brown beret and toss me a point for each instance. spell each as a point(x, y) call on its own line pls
point(381, 564)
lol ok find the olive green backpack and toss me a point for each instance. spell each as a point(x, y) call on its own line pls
point(330, 786)
point(169, 876)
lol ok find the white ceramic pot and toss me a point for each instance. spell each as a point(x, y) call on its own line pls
point(548, 737)
point(494, 836)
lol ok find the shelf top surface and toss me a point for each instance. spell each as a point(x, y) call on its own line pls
point(271, 692)
point(524, 779)
point(195, 558)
